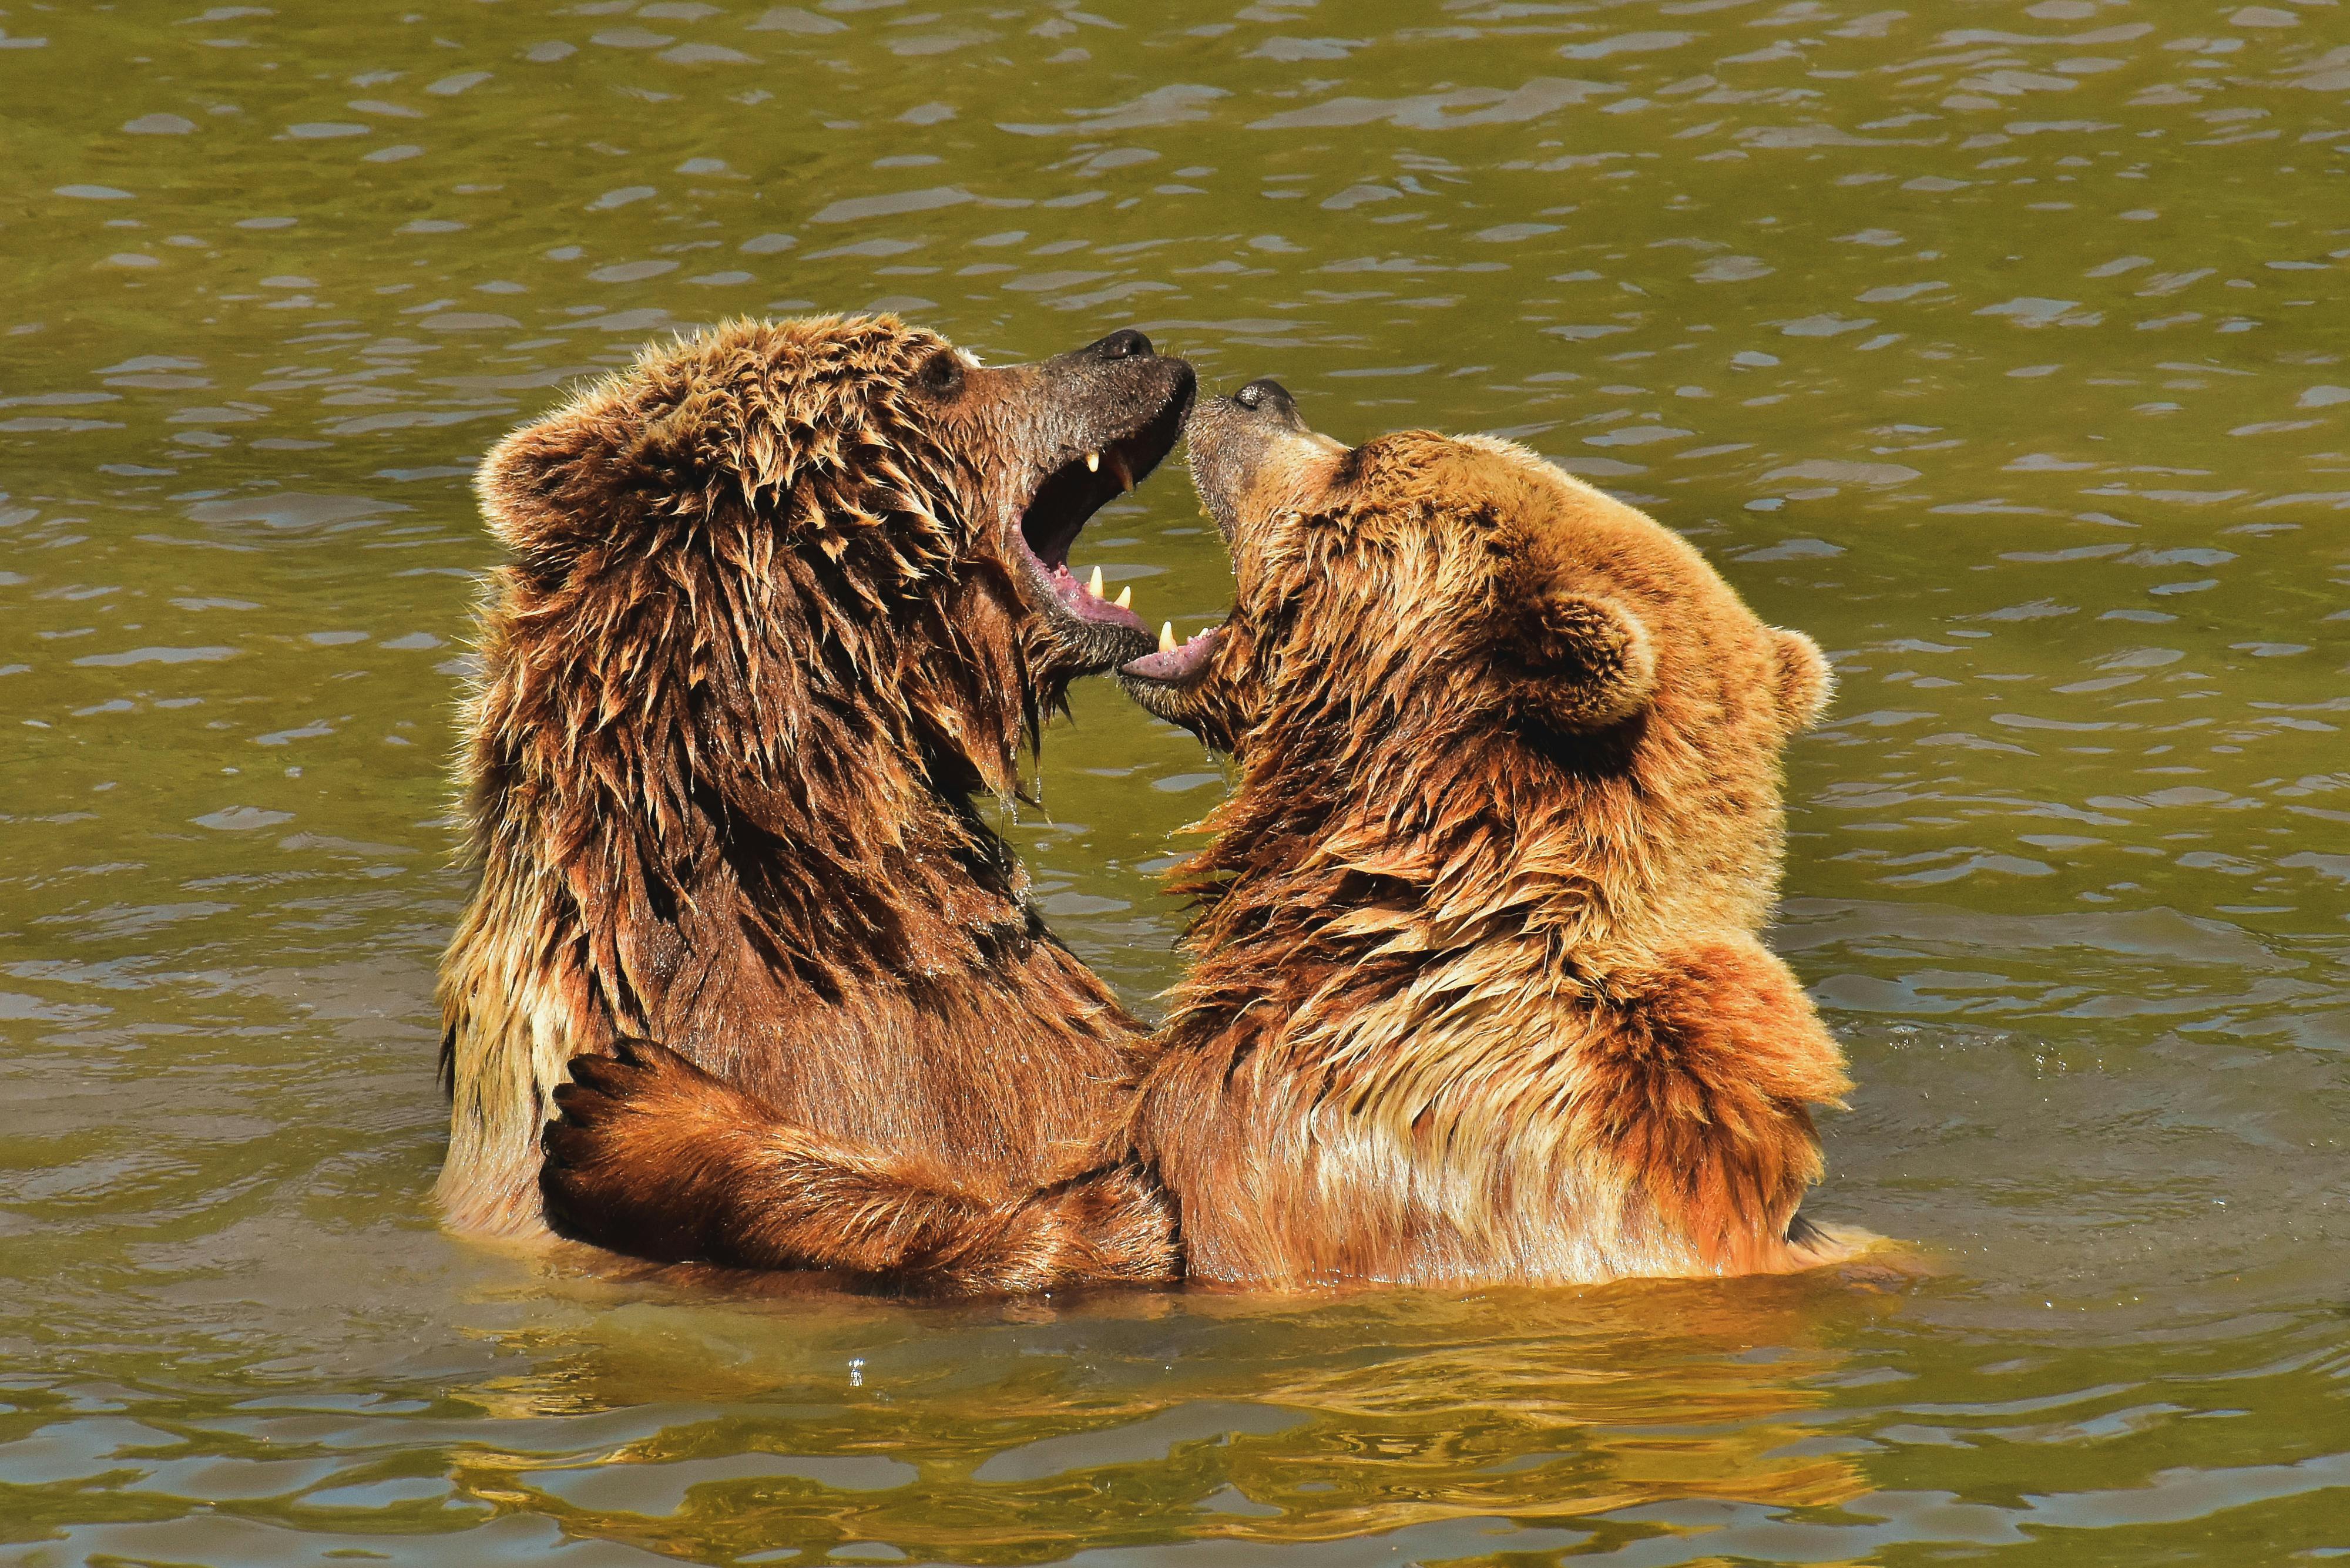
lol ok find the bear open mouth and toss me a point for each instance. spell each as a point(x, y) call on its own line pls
point(1066, 500)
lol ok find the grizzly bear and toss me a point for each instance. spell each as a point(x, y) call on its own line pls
point(784, 598)
point(1477, 994)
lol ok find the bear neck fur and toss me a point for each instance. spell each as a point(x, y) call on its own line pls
point(1431, 965)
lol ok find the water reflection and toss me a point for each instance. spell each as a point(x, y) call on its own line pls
point(1160, 1418)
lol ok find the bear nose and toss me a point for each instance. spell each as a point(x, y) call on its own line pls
point(1264, 392)
point(1126, 344)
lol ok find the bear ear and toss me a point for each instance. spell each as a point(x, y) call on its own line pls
point(566, 482)
point(1588, 660)
point(544, 486)
point(520, 482)
point(1800, 680)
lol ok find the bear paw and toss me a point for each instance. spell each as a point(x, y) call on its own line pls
point(634, 1159)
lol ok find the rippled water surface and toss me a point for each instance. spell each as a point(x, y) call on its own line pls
point(2000, 346)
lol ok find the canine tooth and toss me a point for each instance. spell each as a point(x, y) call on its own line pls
point(1094, 587)
point(1093, 463)
point(1126, 597)
point(1167, 637)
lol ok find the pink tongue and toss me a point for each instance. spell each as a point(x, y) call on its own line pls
point(1176, 662)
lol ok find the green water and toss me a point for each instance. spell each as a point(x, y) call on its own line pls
point(2001, 346)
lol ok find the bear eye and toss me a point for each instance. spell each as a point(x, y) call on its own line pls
point(941, 374)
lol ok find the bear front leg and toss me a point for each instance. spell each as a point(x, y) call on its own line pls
point(1696, 1082)
point(655, 1158)
point(1115, 1226)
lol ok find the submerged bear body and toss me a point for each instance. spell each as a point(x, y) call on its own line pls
point(1477, 991)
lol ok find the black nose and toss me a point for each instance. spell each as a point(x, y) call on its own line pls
point(1266, 393)
point(1126, 344)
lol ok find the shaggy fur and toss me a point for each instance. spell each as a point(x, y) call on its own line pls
point(1477, 995)
point(770, 624)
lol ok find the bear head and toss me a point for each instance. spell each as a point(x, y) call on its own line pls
point(1443, 639)
point(807, 510)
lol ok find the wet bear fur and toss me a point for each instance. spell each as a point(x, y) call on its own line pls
point(761, 642)
point(1477, 994)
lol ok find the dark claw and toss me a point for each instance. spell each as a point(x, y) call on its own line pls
point(608, 1074)
point(556, 1141)
point(555, 1197)
point(575, 1103)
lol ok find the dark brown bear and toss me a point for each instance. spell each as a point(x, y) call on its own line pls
point(784, 598)
point(1477, 994)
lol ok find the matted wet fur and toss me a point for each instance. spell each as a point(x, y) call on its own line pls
point(784, 598)
point(1477, 991)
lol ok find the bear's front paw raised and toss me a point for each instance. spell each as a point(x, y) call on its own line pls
point(630, 1157)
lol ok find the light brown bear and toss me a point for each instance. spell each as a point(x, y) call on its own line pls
point(1477, 994)
point(784, 598)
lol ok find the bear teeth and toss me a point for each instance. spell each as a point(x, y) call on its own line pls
point(1167, 637)
point(1093, 463)
point(1126, 597)
point(1095, 586)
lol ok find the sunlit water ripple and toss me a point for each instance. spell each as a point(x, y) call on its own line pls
point(2000, 346)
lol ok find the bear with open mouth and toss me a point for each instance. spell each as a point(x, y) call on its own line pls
point(1477, 992)
point(784, 597)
